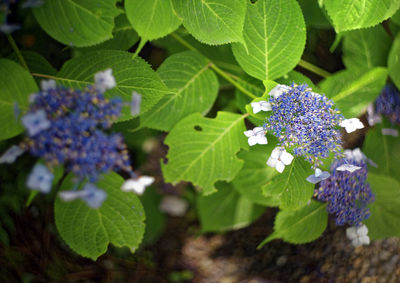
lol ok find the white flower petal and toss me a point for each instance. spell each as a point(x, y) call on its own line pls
point(279, 90)
point(261, 139)
point(134, 186)
point(265, 106)
point(317, 172)
point(362, 230)
point(279, 166)
point(257, 130)
point(272, 162)
point(390, 132)
point(48, 85)
point(252, 140)
point(256, 107)
point(351, 233)
point(276, 152)
point(364, 240)
point(174, 206)
point(286, 158)
point(249, 133)
point(72, 195)
point(348, 167)
point(146, 180)
point(351, 125)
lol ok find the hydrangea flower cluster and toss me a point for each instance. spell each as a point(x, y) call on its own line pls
point(347, 193)
point(307, 122)
point(388, 104)
point(68, 126)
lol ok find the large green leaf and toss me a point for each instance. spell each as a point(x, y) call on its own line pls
point(385, 210)
point(152, 19)
point(213, 21)
point(130, 75)
point(255, 174)
point(353, 90)
point(366, 48)
point(291, 186)
point(124, 37)
point(355, 14)
point(77, 22)
point(394, 62)
point(396, 18)
point(226, 210)
point(275, 36)
point(16, 84)
point(194, 89)
point(300, 226)
point(87, 231)
point(297, 78)
point(314, 15)
point(203, 150)
point(384, 150)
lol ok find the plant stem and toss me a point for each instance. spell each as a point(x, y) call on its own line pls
point(16, 50)
point(44, 76)
point(312, 68)
point(227, 76)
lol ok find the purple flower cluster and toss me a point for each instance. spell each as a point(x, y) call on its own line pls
point(66, 126)
point(307, 122)
point(388, 104)
point(347, 193)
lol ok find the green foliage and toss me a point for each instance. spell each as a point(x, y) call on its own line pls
point(213, 21)
point(384, 150)
point(313, 14)
point(77, 22)
point(385, 213)
point(394, 62)
point(194, 89)
point(124, 37)
point(226, 210)
point(16, 84)
point(355, 14)
point(152, 19)
point(203, 150)
point(130, 75)
point(353, 90)
point(300, 226)
point(291, 186)
point(275, 36)
point(298, 78)
point(255, 174)
point(87, 231)
point(366, 48)
point(36, 63)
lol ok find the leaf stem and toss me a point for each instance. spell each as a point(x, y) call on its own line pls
point(227, 76)
point(17, 51)
point(44, 76)
point(312, 68)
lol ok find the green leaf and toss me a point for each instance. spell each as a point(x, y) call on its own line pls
point(16, 84)
point(130, 75)
point(366, 48)
point(87, 231)
point(36, 63)
point(203, 150)
point(275, 36)
point(255, 174)
point(152, 19)
point(394, 62)
point(353, 90)
point(385, 212)
point(300, 226)
point(355, 14)
point(396, 18)
point(226, 210)
point(194, 89)
point(291, 186)
point(213, 21)
point(314, 15)
point(384, 150)
point(77, 22)
point(155, 219)
point(124, 37)
point(298, 78)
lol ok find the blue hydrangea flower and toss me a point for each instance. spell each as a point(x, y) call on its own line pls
point(318, 176)
point(388, 104)
point(306, 122)
point(93, 196)
point(40, 179)
point(35, 122)
point(347, 193)
point(11, 154)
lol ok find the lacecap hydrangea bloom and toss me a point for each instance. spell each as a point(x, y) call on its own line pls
point(347, 193)
point(306, 124)
point(388, 104)
point(73, 128)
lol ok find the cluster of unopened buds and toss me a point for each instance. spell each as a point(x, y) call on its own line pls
point(307, 125)
point(71, 127)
